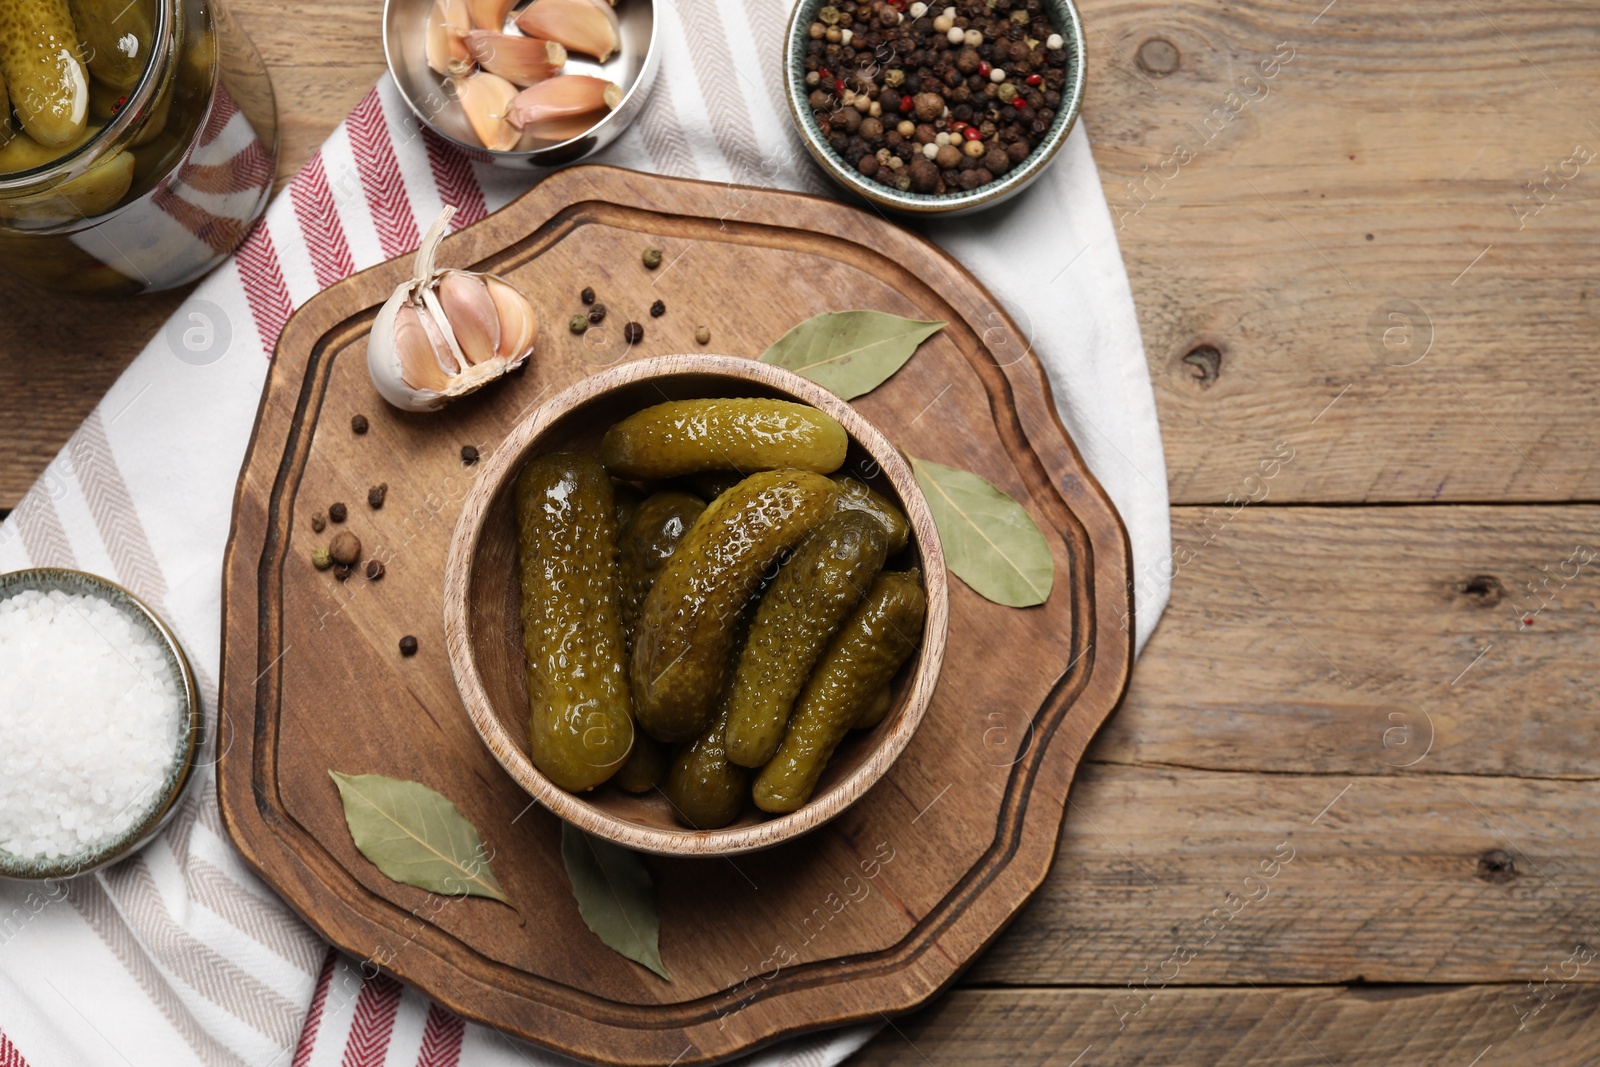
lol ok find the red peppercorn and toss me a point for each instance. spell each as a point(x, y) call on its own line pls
point(1034, 79)
point(905, 105)
point(825, 74)
point(838, 86)
point(984, 68)
point(972, 134)
point(957, 127)
point(1018, 103)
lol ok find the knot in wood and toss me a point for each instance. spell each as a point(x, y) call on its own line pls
point(1497, 867)
point(1484, 590)
point(1207, 363)
point(1157, 56)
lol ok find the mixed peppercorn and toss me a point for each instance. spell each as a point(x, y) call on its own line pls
point(934, 99)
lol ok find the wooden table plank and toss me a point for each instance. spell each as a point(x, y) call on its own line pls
point(1396, 1026)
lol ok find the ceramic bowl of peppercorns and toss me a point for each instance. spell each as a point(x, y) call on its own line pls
point(934, 108)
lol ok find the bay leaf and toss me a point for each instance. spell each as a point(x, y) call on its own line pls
point(416, 836)
point(615, 896)
point(850, 352)
point(990, 541)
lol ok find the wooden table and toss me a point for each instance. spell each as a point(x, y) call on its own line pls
point(1372, 274)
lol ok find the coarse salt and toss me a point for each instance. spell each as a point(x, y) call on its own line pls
point(90, 722)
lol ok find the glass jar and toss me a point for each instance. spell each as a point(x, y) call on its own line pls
point(174, 161)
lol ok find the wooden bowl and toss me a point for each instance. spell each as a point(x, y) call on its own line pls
point(482, 603)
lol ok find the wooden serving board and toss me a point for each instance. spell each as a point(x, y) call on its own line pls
point(868, 916)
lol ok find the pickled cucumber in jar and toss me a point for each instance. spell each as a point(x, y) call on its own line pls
point(41, 61)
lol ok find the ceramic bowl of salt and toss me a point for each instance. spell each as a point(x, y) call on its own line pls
point(100, 723)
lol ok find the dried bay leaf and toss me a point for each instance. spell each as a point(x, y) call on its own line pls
point(615, 896)
point(989, 541)
point(416, 836)
point(850, 352)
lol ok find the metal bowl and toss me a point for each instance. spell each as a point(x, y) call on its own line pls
point(1063, 13)
point(165, 801)
point(430, 99)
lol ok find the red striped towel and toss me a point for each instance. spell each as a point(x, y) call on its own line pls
point(180, 955)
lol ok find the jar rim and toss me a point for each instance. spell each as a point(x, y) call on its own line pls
point(77, 161)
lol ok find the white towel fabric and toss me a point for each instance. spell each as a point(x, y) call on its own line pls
point(180, 955)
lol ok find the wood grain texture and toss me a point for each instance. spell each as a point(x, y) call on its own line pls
point(483, 612)
point(872, 913)
point(1397, 1026)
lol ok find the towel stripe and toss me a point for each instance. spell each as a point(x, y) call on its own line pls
point(264, 287)
point(458, 185)
point(115, 517)
point(319, 1002)
point(43, 536)
point(376, 1007)
point(10, 1057)
point(441, 1039)
point(380, 178)
point(319, 223)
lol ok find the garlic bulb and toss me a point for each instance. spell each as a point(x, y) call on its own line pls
point(446, 333)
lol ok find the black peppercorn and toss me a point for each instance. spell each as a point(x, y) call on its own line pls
point(376, 494)
point(358, 424)
point(597, 314)
point(469, 455)
point(341, 571)
point(408, 645)
point(658, 309)
point(633, 333)
point(375, 569)
point(337, 512)
point(587, 296)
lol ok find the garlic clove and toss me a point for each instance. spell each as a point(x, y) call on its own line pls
point(417, 347)
point(472, 314)
point(486, 100)
point(587, 26)
point(564, 107)
point(489, 14)
point(519, 60)
point(518, 323)
point(445, 47)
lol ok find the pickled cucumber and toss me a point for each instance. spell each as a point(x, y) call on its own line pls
point(690, 617)
point(708, 485)
point(6, 131)
point(581, 726)
point(116, 37)
point(856, 495)
point(24, 153)
point(871, 712)
point(628, 499)
point(688, 436)
point(870, 647)
point(39, 58)
point(646, 766)
point(812, 594)
point(647, 541)
point(705, 789)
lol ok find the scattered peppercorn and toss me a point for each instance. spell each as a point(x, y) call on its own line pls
point(469, 455)
point(342, 572)
point(587, 296)
point(375, 569)
point(358, 424)
point(597, 314)
point(579, 323)
point(652, 257)
point(658, 309)
point(633, 333)
point(345, 548)
point(376, 494)
point(337, 512)
point(408, 645)
point(319, 522)
point(703, 335)
point(321, 560)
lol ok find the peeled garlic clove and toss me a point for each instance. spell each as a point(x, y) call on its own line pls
point(563, 107)
point(489, 14)
point(587, 26)
point(518, 324)
point(486, 99)
point(472, 314)
point(520, 60)
point(445, 333)
point(445, 46)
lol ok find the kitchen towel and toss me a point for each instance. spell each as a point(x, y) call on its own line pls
point(180, 955)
